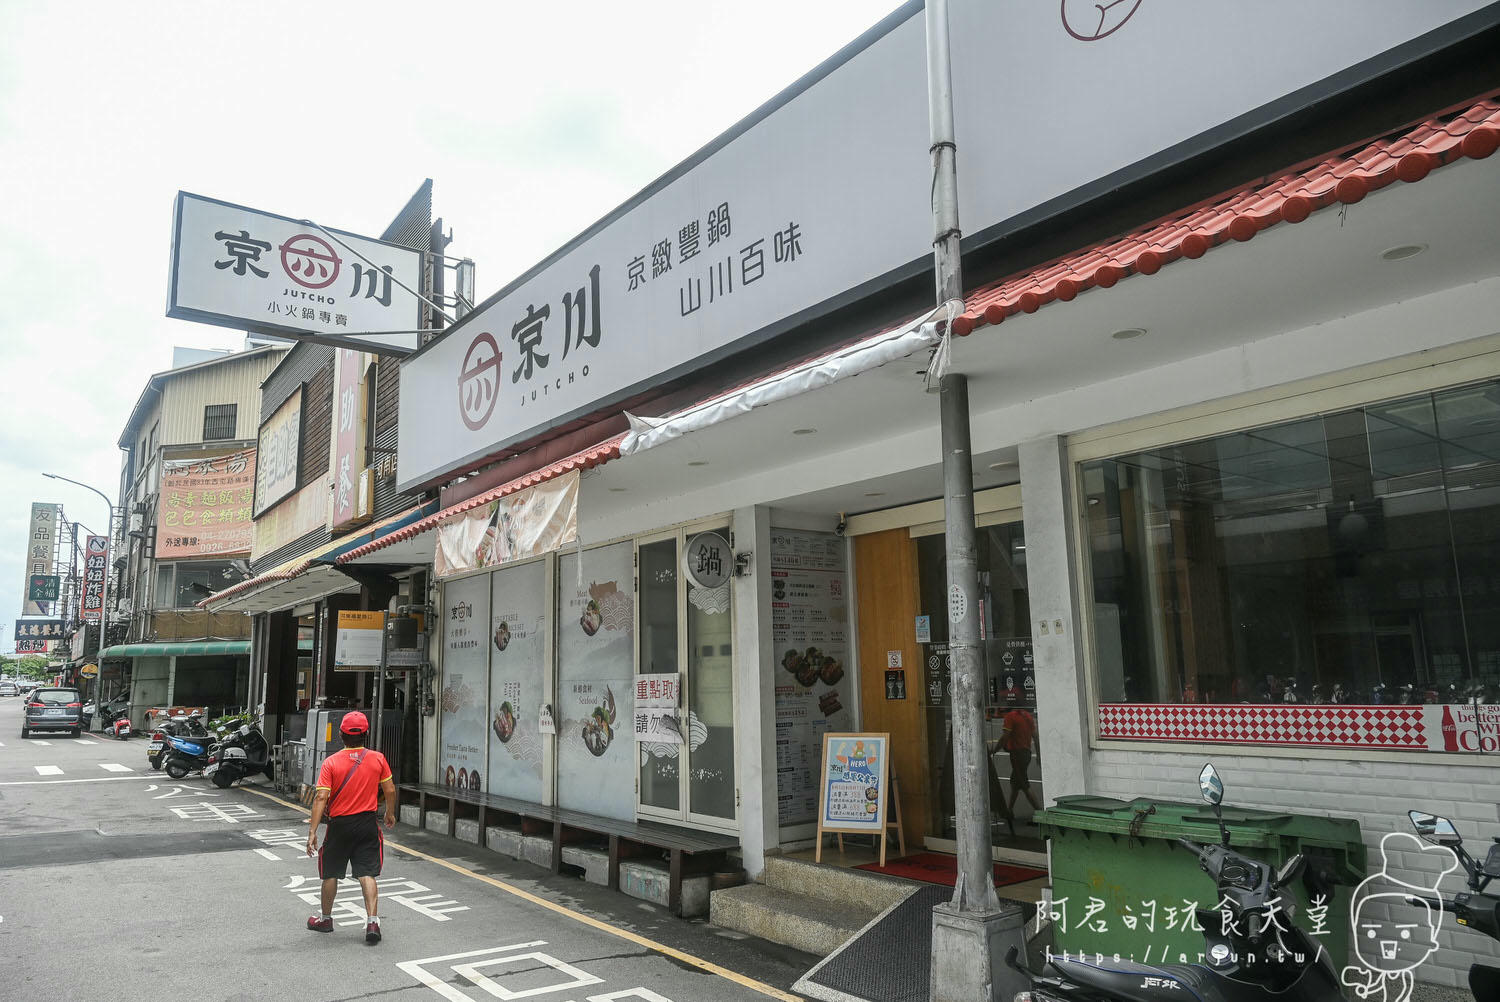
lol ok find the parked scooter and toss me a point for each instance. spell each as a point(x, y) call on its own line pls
point(1250, 956)
point(1474, 910)
point(181, 725)
point(241, 754)
point(183, 755)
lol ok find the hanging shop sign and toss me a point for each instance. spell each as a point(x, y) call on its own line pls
point(40, 629)
point(854, 786)
point(279, 448)
point(770, 224)
point(204, 507)
point(357, 640)
point(528, 523)
point(95, 567)
point(252, 270)
point(41, 546)
point(707, 560)
point(31, 647)
point(304, 512)
point(89, 671)
point(348, 438)
point(43, 588)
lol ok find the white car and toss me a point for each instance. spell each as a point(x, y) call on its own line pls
point(9, 689)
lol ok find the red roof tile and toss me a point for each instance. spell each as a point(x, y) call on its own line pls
point(1291, 198)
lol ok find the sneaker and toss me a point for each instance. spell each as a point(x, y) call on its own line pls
point(372, 932)
point(318, 923)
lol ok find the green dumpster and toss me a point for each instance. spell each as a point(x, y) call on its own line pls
point(1111, 859)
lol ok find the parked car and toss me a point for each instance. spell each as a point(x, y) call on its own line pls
point(53, 709)
point(9, 689)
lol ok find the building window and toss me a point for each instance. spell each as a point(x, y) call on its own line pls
point(183, 585)
point(1344, 558)
point(219, 422)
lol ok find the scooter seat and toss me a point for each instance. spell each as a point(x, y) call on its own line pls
point(1128, 980)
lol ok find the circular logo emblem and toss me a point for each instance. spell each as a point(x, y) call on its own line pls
point(310, 261)
point(706, 560)
point(479, 381)
point(1089, 22)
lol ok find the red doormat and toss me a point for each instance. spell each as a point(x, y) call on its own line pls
point(940, 868)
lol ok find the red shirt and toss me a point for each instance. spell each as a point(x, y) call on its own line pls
point(1020, 730)
point(358, 795)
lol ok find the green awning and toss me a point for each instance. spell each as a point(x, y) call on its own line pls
point(189, 648)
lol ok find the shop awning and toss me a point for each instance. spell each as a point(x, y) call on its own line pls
point(378, 537)
point(585, 459)
point(187, 648)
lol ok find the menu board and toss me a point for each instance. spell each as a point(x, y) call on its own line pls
point(517, 648)
point(810, 631)
point(465, 690)
point(854, 783)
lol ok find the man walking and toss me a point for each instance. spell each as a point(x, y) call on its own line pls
point(347, 787)
point(1017, 735)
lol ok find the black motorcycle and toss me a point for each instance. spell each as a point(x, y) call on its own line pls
point(1251, 957)
point(242, 753)
point(1473, 910)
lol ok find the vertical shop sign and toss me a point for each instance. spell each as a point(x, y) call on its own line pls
point(810, 632)
point(205, 506)
point(95, 566)
point(466, 606)
point(277, 454)
point(41, 550)
point(349, 437)
point(517, 650)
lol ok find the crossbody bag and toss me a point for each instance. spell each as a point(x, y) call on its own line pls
point(359, 760)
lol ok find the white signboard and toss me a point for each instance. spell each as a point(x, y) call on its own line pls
point(826, 196)
point(252, 270)
point(278, 449)
point(656, 701)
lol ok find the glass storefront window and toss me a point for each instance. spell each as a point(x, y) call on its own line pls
point(660, 786)
point(1345, 558)
point(710, 702)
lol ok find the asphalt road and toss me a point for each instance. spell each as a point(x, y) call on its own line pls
point(117, 881)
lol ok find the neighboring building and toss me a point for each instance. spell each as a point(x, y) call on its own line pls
point(326, 426)
point(1209, 494)
point(186, 487)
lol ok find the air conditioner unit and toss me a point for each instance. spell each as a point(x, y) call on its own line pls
point(137, 518)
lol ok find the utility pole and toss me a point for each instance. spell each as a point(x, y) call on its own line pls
point(971, 933)
point(109, 538)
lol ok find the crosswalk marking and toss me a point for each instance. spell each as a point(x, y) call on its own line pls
point(83, 742)
point(47, 770)
point(115, 767)
point(44, 744)
point(268, 854)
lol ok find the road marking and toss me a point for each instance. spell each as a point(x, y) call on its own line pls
point(268, 854)
point(44, 744)
point(115, 767)
point(588, 920)
point(47, 770)
point(44, 782)
point(83, 742)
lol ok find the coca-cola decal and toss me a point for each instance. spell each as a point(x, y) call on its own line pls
point(1089, 22)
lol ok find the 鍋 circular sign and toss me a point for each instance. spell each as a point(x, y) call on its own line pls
point(707, 561)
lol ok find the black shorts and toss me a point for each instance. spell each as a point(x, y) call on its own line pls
point(1020, 763)
point(352, 842)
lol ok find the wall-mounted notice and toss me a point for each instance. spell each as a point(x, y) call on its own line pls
point(853, 784)
point(810, 630)
point(657, 698)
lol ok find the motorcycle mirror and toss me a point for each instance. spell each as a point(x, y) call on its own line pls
point(1438, 831)
point(1210, 785)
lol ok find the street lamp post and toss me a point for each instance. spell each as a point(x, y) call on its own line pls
point(109, 537)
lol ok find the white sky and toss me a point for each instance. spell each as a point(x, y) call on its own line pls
point(532, 120)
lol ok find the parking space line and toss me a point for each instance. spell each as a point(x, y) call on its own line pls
point(47, 770)
point(115, 767)
point(588, 920)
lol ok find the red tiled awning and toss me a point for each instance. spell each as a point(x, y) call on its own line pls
point(1291, 198)
point(585, 459)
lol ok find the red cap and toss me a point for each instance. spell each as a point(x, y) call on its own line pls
point(354, 722)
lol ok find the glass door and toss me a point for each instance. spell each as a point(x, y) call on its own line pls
point(689, 631)
point(1012, 742)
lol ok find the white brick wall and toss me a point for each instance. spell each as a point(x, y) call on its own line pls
point(1376, 794)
